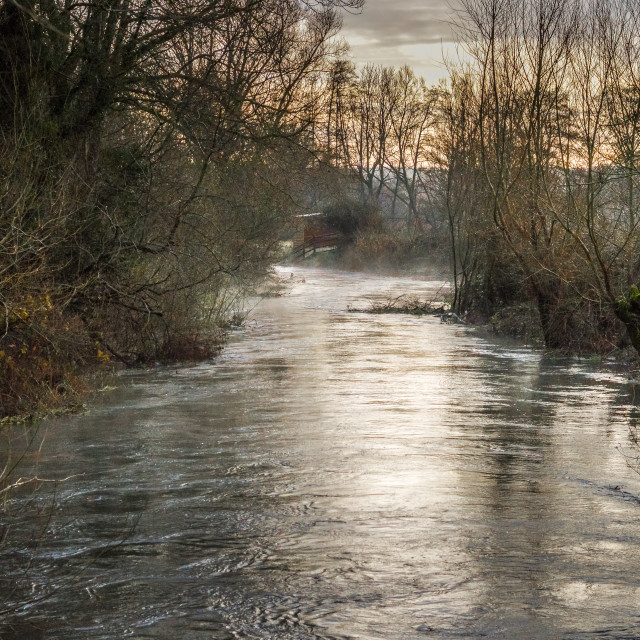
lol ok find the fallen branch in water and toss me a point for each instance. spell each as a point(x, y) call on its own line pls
point(406, 304)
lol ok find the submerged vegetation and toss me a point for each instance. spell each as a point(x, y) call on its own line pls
point(406, 304)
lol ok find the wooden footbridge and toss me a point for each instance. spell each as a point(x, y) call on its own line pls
point(309, 247)
point(316, 235)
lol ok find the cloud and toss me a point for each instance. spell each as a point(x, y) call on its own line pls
point(394, 33)
point(389, 24)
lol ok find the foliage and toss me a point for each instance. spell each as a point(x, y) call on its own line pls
point(149, 155)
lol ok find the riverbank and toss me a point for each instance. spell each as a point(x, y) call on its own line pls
point(44, 384)
point(385, 255)
point(588, 328)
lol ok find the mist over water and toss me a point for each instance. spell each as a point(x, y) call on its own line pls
point(341, 475)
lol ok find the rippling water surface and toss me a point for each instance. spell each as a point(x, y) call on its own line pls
point(338, 475)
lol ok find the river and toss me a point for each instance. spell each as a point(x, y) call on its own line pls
point(336, 475)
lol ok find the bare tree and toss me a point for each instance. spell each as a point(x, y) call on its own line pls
point(411, 116)
point(124, 126)
point(521, 50)
point(462, 189)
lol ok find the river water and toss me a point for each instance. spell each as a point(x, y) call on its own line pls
point(336, 475)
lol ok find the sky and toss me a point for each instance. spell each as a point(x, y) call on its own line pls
point(397, 32)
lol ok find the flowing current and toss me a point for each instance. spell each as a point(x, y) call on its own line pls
point(336, 475)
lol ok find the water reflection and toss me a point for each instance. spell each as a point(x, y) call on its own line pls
point(343, 475)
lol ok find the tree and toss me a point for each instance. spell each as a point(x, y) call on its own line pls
point(457, 156)
point(129, 130)
point(521, 51)
point(411, 116)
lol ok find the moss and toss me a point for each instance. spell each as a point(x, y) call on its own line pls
point(634, 299)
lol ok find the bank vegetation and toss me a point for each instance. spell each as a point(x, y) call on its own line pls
point(150, 155)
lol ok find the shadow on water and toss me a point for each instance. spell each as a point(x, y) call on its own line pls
point(339, 475)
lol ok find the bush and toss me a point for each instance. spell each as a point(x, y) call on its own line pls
point(351, 217)
point(41, 356)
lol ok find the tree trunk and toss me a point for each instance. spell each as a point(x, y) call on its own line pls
point(556, 332)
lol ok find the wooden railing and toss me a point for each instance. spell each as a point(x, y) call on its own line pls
point(309, 247)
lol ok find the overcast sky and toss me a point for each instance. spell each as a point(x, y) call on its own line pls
point(398, 32)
